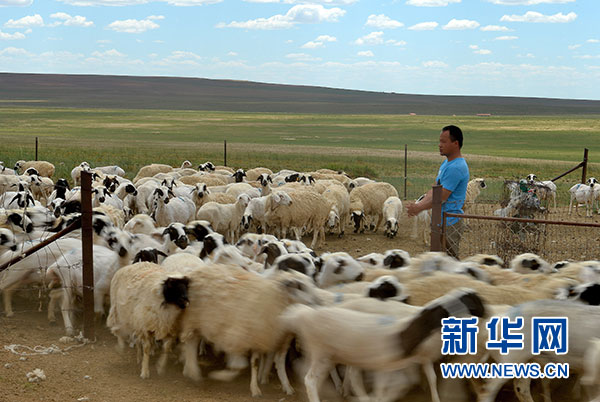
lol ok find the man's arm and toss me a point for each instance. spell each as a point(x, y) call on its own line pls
point(413, 208)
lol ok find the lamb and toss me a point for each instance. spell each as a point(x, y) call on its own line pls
point(474, 188)
point(114, 170)
point(338, 200)
point(146, 303)
point(392, 210)
point(333, 335)
point(583, 194)
point(367, 201)
point(238, 328)
point(254, 215)
point(76, 172)
point(44, 168)
point(166, 210)
point(225, 218)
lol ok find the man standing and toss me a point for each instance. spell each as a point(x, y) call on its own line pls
point(453, 176)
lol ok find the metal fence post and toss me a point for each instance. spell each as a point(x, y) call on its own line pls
point(88, 255)
point(405, 167)
point(224, 152)
point(585, 161)
point(436, 219)
point(36, 148)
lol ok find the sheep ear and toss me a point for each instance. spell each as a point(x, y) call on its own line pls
point(16, 197)
point(160, 253)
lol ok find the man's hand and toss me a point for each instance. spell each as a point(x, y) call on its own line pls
point(413, 208)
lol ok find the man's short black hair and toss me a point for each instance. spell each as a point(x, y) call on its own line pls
point(455, 134)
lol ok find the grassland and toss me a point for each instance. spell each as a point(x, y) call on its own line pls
point(499, 148)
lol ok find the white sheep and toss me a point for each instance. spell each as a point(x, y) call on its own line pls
point(583, 194)
point(307, 210)
point(151, 170)
point(392, 210)
point(474, 188)
point(338, 200)
point(331, 335)
point(140, 223)
point(338, 267)
point(114, 169)
point(254, 173)
point(216, 314)
point(367, 202)
point(254, 217)
point(225, 218)
point(146, 303)
point(527, 263)
point(166, 210)
point(43, 168)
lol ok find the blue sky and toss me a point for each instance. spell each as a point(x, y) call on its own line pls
point(540, 48)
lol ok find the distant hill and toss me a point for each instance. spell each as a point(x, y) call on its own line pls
point(103, 91)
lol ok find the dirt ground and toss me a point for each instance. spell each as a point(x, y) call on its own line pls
point(97, 372)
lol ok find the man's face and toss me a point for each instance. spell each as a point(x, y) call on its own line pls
point(447, 146)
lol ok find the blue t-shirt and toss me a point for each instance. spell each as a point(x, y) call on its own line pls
point(454, 176)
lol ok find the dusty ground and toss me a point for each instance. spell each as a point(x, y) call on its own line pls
point(96, 372)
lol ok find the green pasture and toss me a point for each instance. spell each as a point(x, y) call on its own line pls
point(362, 145)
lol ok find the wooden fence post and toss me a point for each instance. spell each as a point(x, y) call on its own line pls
point(88, 255)
point(224, 152)
point(405, 167)
point(436, 219)
point(584, 170)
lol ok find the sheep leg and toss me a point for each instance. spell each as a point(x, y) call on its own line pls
point(55, 296)
point(7, 299)
point(254, 388)
point(280, 366)
point(266, 363)
point(432, 380)
point(146, 348)
point(315, 238)
point(354, 374)
point(65, 309)
point(314, 377)
point(337, 381)
point(190, 365)
point(379, 219)
point(162, 360)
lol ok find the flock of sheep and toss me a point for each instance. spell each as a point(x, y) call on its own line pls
point(194, 261)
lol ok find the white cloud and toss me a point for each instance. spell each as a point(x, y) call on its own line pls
point(302, 57)
point(430, 3)
point(25, 22)
point(133, 26)
point(108, 53)
point(573, 47)
point(155, 17)
point(232, 54)
point(424, 26)
point(473, 47)
point(483, 51)
point(494, 28)
point(528, 2)
point(319, 42)
point(507, 37)
point(593, 41)
point(89, 3)
point(366, 53)
point(382, 21)
point(10, 3)
point(312, 45)
point(303, 13)
point(395, 42)
point(103, 41)
point(324, 2)
point(7, 36)
point(13, 51)
point(374, 38)
point(67, 20)
point(435, 64)
point(455, 24)
point(180, 54)
point(534, 16)
point(588, 56)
